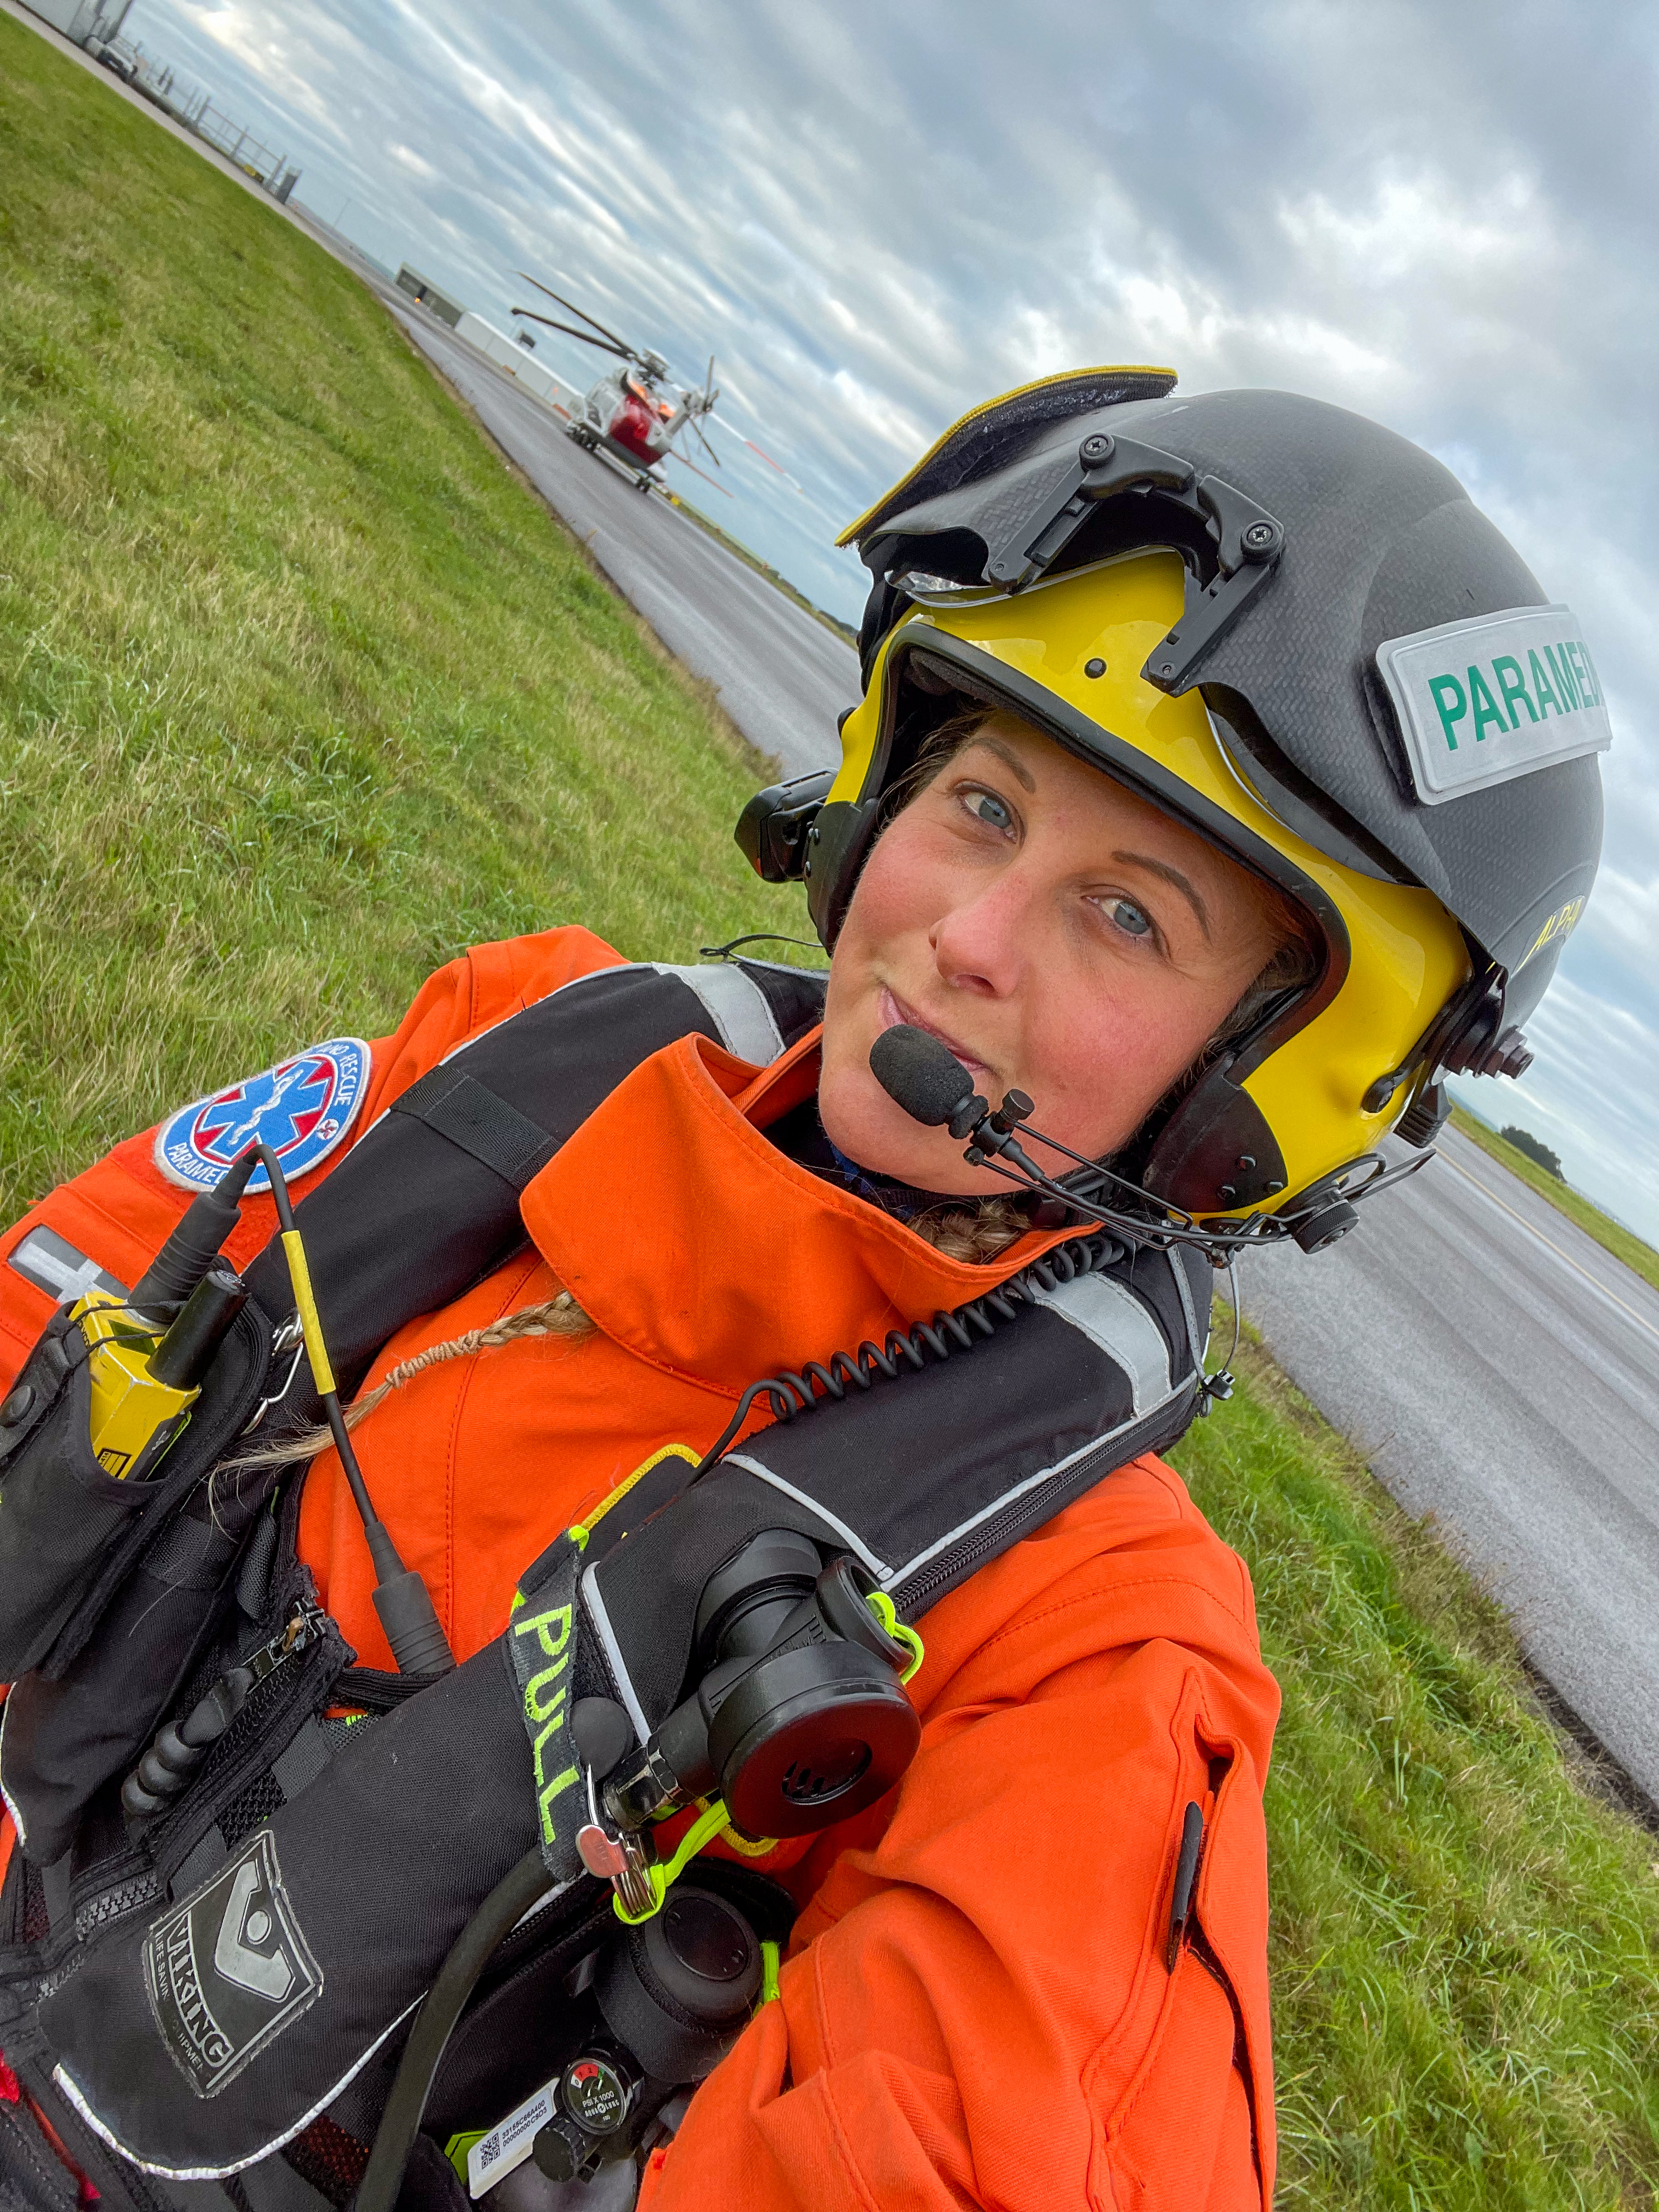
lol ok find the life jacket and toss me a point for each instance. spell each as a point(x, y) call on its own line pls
point(114, 2009)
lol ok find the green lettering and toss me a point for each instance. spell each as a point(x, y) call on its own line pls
point(1445, 689)
point(534, 1708)
point(1580, 670)
point(1594, 672)
point(1486, 706)
point(544, 1625)
point(1513, 685)
point(555, 1723)
point(1543, 687)
point(1564, 682)
point(559, 1784)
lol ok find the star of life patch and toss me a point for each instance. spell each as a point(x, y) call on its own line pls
point(228, 1970)
point(302, 1108)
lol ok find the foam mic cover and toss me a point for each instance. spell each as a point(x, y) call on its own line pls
point(920, 1074)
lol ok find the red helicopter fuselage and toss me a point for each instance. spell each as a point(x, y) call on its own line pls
point(632, 424)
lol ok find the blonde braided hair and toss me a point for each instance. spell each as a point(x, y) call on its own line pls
point(557, 1317)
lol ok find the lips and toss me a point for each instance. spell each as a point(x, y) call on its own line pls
point(894, 1012)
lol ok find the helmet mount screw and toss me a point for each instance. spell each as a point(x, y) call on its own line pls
point(1095, 667)
point(1096, 449)
point(1262, 538)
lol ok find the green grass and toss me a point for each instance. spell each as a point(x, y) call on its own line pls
point(300, 693)
point(1611, 1236)
point(1465, 1942)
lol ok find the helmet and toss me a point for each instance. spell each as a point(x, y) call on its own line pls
point(1290, 628)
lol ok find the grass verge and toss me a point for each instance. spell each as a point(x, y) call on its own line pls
point(299, 692)
point(1611, 1236)
point(1464, 1941)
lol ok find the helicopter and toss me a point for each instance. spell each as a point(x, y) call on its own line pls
point(629, 415)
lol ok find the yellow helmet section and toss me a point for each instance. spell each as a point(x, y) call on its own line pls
point(1405, 956)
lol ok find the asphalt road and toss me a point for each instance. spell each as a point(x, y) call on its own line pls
point(779, 673)
point(1500, 1372)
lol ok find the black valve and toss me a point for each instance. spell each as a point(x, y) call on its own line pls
point(801, 1717)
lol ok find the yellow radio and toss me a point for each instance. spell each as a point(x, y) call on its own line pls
point(146, 1379)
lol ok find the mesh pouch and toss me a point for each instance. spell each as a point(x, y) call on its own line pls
point(60, 1513)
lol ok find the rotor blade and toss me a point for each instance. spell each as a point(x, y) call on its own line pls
point(574, 309)
point(704, 443)
point(570, 331)
point(754, 448)
point(671, 455)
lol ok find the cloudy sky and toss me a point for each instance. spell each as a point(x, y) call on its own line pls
point(875, 216)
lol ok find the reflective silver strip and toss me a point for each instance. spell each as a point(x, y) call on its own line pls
point(1115, 1319)
point(854, 1542)
point(67, 2083)
point(607, 1636)
point(1094, 1444)
point(6, 1796)
point(1200, 1346)
point(737, 1005)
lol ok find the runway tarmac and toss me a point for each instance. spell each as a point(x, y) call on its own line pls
point(1500, 1372)
point(780, 674)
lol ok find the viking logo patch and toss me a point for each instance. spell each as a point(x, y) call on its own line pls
point(303, 1108)
point(229, 1970)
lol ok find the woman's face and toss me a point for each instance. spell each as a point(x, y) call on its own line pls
point(1060, 935)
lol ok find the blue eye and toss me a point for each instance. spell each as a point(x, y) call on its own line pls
point(987, 808)
point(1130, 918)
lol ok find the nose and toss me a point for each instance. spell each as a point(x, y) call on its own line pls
point(981, 946)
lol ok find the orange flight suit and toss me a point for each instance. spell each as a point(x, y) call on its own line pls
point(975, 2008)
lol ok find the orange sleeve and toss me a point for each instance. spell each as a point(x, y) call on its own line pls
point(119, 1210)
point(976, 2009)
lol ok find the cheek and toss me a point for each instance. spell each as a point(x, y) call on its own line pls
point(1102, 1062)
point(896, 895)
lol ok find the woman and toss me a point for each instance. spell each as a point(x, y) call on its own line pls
point(1197, 929)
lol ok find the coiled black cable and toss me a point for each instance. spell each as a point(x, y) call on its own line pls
point(947, 1334)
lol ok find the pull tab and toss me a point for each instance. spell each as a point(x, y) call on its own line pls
point(1181, 1900)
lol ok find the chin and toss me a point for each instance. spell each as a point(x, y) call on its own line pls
point(862, 1121)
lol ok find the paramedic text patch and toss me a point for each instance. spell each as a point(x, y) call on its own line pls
point(229, 1970)
point(303, 1108)
point(1482, 701)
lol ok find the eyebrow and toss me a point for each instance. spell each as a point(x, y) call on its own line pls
point(1171, 876)
point(1010, 759)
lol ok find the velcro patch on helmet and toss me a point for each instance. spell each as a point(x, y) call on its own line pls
point(1481, 702)
point(303, 1108)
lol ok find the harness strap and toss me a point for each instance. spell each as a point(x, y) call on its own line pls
point(484, 1126)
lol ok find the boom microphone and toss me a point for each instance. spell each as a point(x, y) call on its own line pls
point(919, 1074)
